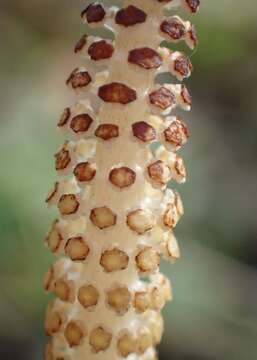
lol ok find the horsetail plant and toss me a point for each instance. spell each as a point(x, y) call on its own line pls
point(116, 213)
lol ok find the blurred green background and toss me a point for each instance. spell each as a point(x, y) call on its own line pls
point(214, 312)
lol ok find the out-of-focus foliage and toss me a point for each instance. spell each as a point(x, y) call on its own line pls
point(214, 312)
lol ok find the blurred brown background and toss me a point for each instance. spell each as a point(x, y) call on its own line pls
point(214, 312)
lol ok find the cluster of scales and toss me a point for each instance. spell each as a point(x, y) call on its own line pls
point(117, 215)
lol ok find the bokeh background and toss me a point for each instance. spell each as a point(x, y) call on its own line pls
point(214, 312)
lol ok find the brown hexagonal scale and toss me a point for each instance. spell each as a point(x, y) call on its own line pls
point(68, 204)
point(174, 28)
point(130, 16)
point(183, 65)
point(93, 13)
point(100, 50)
point(162, 98)
point(140, 221)
point(81, 44)
point(74, 334)
point(85, 171)
point(103, 217)
point(176, 133)
point(122, 177)
point(77, 249)
point(88, 296)
point(81, 123)
point(148, 260)
point(117, 93)
point(114, 260)
point(159, 172)
point(145, 57)
point(64, 117)
point(107, 131)
point(100, 339)
point(79, 79)
point(144, 131)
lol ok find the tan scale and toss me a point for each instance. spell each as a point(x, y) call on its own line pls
point(77, 249)
point(103, 217)
point(114, 260)
point(64, 289)
point(88, 296)
point(100, 339)
point(53, 321)
point(119, 299)
point(126, 345)
point(74, 333)
point(68, 204)
point(147, 260)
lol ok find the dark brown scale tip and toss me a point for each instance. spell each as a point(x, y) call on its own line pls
point(186, 95)
point(174, 28)
point(130, 16)
point(183, 65)
point(162, 98)
point(80, 44)
point(100, 50)
point(143, 131)
point(78, 79)
point(64, 117)
point(117, 93)
point(84, 171)
point(93, 13)
point(193, 5)
point(107, 131)
point(81, 123)
point(145, 57)
point(122, 177)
